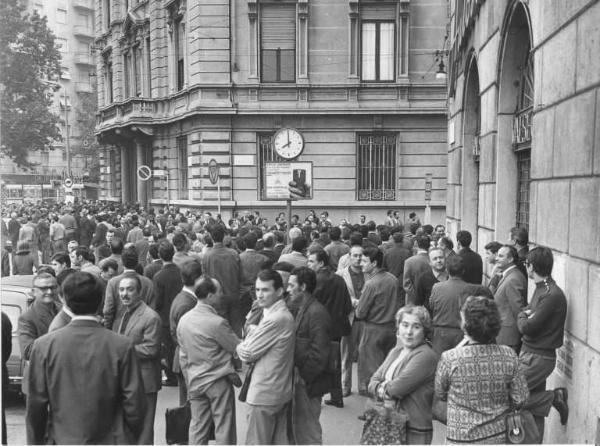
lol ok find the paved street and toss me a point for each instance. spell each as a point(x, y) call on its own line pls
point(340, 426)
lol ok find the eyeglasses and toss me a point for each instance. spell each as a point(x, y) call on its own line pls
point(46, 288)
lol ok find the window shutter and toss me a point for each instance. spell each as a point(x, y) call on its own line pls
point(278, 26)
point(376, 11)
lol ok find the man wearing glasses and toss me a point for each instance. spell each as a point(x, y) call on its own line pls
point(36, 320)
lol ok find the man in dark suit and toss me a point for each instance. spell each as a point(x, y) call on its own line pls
point(167, 284)
point(156, 263)
point(191, 276)
point(85, 385)
point(393, 260)
point(445, 303)
point(414, 266)
point(510, 297)
point(425, 281)
point(332, 293)
point(142, 325)
point(36, 320)
point(472, 261)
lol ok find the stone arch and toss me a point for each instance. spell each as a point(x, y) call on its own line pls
point(470, 138)
point(512, 167)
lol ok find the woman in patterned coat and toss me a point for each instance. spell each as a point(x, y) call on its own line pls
point(480, 380)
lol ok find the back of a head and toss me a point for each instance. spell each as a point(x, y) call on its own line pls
point(82, 293)
point(153, 250)
point(356, 239)
point(428, 229)
point(130, 257)
point(295, 233)
point(166, 251)
point(423, 242)
point(299, 244)
point(146, 232)
point(335, 233)
point(179, 241)
point(217, 233)
point(84, 252)
point(541, 260)
point(268, 240)
point(250, 240)
point(482, 320)
point(206, 287)
point(110, 264)
point(398, 237)
point(520, 236)
point(371, 225)
point(464, 238)
point(116, 246)
point(364, 230)
point(455, 266)
point(413, 228)
point(190, 272)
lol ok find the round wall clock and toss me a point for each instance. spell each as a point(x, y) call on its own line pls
point(288, 143)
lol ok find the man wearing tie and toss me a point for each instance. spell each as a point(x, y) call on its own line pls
point(142, 325)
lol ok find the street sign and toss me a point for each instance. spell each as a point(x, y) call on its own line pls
point(68, 183)
point(213, 171)
point(428, 186)
point(159, 173)
point(144, 173)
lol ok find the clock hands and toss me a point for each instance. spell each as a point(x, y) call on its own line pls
point(288, 139)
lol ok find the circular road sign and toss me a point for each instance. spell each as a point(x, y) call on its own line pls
point(144, 173)
point(68, 182)
point(213, 171)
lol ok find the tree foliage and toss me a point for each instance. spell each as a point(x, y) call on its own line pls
point(29, 59)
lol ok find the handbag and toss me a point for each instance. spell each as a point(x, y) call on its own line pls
point(246, 384)
point(384, 425)
point(521, 428)
point(178, 425)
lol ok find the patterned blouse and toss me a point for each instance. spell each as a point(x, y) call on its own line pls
point(480, 382)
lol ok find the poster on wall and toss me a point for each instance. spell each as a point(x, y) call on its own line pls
point(286, 181)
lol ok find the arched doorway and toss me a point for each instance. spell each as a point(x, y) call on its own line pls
point(471, 149)
point(515, 107)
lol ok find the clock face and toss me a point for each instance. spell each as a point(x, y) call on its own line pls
point(288, 143)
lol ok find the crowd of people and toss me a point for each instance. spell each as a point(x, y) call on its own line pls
point(127, 300)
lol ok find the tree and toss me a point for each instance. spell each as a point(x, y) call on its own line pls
point(29, 63)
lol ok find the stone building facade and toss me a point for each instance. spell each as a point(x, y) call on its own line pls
point(524, 150)
point(182, 82)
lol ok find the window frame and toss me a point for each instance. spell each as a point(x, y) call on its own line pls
point(274, 158)
point(377, 54)
point(393, 175)
point(181, 142)
point(261, 50)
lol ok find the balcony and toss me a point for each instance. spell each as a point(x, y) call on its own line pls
point(83, 32)
point(84, 59)
point(87, 5)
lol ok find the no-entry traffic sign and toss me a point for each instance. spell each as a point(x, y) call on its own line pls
point(213, 171)
point(144, 173)
point(68, 182)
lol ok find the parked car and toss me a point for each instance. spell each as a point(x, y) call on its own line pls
point(16, 299)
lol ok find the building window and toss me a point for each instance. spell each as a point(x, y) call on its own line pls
point(127, 74)
point(182, 158)
point(376, 167)
point(179, 42)
point(137, 69)
point(266, 154)
point(148, 69)
point(378, 50)
point(106, 15)
point(278, 42)
point(108, 79)
point(112, 163)
point(61, 16)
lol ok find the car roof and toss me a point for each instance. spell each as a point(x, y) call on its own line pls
point(13, 282)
